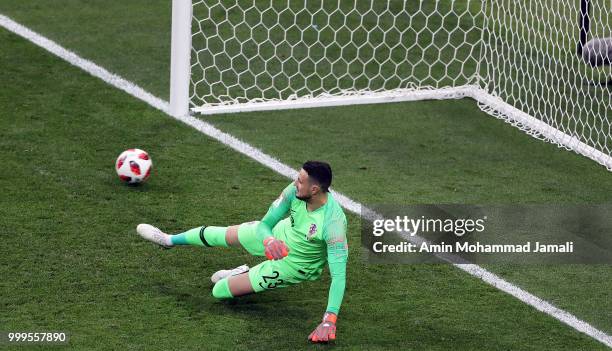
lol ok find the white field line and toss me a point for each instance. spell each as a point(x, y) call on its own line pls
point(287, 171)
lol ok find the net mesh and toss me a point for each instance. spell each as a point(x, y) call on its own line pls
point(523, 53)
point(530, 61)
point(245, 51)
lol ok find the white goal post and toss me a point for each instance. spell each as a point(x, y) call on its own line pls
point(517, 59)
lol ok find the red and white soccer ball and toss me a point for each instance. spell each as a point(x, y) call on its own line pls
point(133, 166)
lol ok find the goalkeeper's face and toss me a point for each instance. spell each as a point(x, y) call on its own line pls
point(305, 188)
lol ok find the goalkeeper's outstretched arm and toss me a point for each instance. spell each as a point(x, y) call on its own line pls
point(337, 257)
point(337, 270)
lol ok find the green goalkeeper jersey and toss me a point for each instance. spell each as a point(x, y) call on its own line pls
point(313, 237)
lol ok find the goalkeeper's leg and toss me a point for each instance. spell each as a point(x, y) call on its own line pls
point(267, 275)
point(204, 236)
point(207, 236)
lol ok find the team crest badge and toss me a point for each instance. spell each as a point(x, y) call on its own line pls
point(311, 231)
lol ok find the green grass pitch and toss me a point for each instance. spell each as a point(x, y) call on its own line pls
point(70, 259)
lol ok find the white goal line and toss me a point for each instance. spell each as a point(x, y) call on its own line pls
point(279, 167)
point(489, 103)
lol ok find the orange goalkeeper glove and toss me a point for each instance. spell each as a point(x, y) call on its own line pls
point(275, 249)
point(326, 331)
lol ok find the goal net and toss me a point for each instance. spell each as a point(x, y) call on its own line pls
point(538, 64)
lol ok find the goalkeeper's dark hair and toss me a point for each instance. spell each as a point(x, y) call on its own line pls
point(319, 171)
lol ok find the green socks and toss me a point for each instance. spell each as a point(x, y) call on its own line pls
point(221, 290)
point(201, 236)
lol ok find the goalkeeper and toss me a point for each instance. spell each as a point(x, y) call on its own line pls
point(297, 246)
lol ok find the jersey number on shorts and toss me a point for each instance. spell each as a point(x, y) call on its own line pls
point(274, 281)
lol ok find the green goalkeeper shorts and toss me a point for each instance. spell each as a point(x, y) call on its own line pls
point(269, 274)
